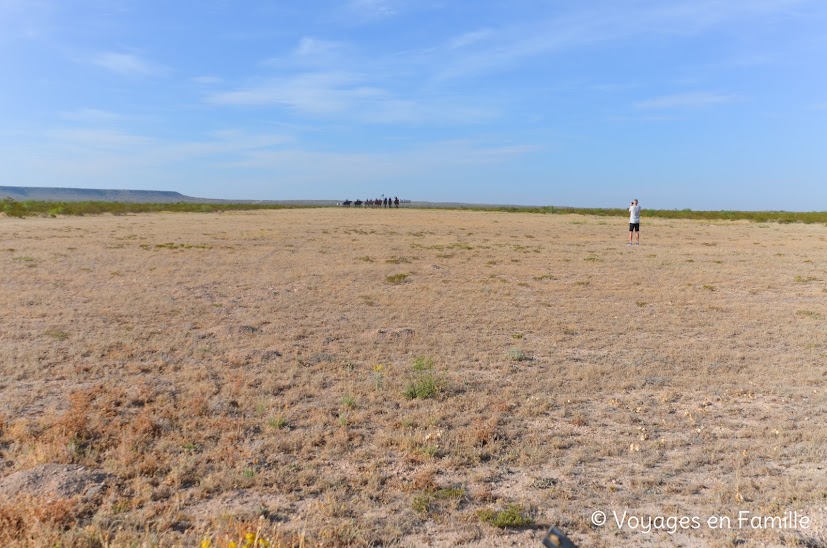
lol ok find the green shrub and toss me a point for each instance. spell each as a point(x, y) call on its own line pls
point(422, 504)
point(425, 382)
point(422, 387)
point(396, 279)
point(57, 334)
point(513, 516)
point(434, 501)
point(421, 363)
point(517, 355)
point(448, 493)
point(277, 422)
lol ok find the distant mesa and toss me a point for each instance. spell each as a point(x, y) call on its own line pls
point(59, 194)
point(54, 194)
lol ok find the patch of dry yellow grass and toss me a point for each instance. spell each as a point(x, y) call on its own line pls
point(221, 367)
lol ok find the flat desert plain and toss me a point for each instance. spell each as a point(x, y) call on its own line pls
point(411, 377)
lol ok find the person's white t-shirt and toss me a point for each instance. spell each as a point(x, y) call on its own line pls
point(634, 214)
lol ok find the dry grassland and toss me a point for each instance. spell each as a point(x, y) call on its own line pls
point(211, 369)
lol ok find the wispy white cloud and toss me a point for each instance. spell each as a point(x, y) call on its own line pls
point(660, 117)
point(470, 38)
point(91, 157)
point(313, 53)
point(235, 139)
point(505, 47)
point(614, 87)
point(372, 9)
point(87, 158)
point(685, 100)
point(23, 18)
point(97, 138)
point(333, 79)
point(128, 148)
point(312, 47)
point(321, 92)
point(608, 23)
point(351, 97)
point(430, 158)
point(691, 16)
point(127, 64)
point(423, 111)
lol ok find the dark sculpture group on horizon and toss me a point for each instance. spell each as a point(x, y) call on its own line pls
point(377, 202)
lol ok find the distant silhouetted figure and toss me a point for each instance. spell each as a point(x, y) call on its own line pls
point(396, 201)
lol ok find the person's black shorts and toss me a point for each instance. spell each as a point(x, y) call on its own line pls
point(634, 227)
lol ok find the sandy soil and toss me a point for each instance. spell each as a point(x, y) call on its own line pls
point(209, 369)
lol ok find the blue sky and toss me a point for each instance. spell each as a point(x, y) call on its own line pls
point(706, 104)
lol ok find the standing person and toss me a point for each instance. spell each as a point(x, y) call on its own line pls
point(634, 221)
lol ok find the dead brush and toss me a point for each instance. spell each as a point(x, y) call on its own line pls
point(439, 500)
point(76, 433)
point(480, 441)
point(30, 519)
point(253, 534)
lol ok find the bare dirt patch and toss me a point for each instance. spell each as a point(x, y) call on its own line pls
point(258, 371)
point(53, 481)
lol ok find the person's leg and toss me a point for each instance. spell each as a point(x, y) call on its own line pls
point(637, 234)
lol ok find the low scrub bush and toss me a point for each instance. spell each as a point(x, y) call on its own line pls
point(513, 515)
point(517, 355)
point(425, 382)
point(396, 279)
